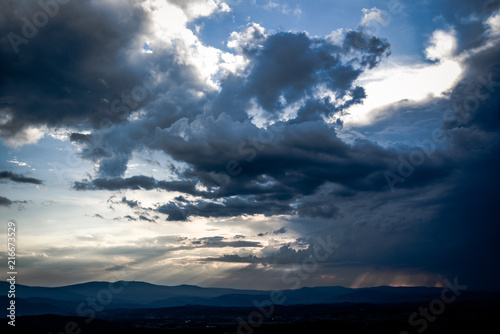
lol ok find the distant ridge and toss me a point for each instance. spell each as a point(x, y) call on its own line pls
point(65, 300)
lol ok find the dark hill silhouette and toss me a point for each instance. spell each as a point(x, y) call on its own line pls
point(140, 295)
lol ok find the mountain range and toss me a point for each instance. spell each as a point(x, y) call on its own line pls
point(79, 299)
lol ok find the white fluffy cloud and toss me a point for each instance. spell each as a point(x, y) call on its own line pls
point(442, 45)
point(251, 38)
point(374, 15)
point(169, 31)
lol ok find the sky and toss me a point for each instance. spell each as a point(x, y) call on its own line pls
point(222, 143)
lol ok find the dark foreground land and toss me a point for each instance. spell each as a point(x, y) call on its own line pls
point(457, 317)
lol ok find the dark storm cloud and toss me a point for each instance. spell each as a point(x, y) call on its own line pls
point(309, 62)
point(277, 170)
point(4, 201)
point(474, 127)
point(273, 82)
point(135, 182)
point(302, 158)
point(318, 207)
point(272, 76)
point(284, 255)
point(220, 242)
point(138, 182)
point(459, 235)
point(207, 242)
point(80, 138)
point(372, 48)
point(66, 73)
point(446, 208)
point(231, 207)
point(18, 178)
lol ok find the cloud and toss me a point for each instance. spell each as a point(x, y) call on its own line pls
point(136, 183)
point(229, 208)
point(493, 24)
point(443, 45)
point(117, 267)
point(283, 255)
point(18, 178)
point(249, 41)
point(284, 9)
point(130, 203)
point(62, 80)
point(382, 229)
point(295, 154)
point(318, 207)
point(282, 230)
point(144, 218)
point(374, 15)
point(197, 8)
point(314, 68)
point(414, 82)
point(271, 5)
point(467, 116)
point(19, 163)
point(26, 135)
point(471, 18)
point(411, 83)
point(4, 201)
point(220, 242)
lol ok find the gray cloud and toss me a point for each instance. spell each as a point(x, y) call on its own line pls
point(4, 201)
point(284, 255)
point(130, 203)
point(18, 178)
point(144, 218)
point(53, 79)
point(279, 231)
point(312, 62)
point(229, 208)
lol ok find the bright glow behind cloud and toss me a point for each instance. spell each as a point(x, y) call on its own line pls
point(395, 81)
